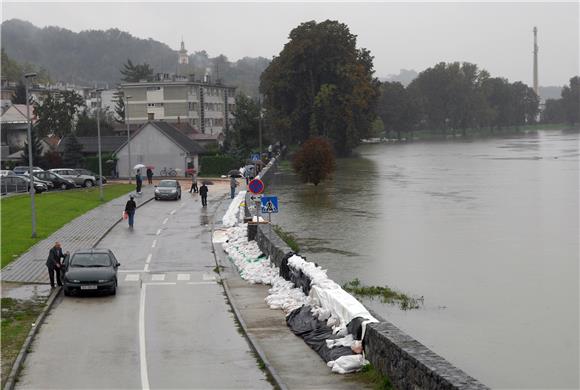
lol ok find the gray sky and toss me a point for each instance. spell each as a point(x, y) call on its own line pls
point(496, 36)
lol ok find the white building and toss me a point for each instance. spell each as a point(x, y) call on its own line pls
point(160, 145)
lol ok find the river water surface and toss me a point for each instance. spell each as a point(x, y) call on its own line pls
point(486, 231)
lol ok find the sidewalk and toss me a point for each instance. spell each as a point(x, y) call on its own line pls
point(82, 232)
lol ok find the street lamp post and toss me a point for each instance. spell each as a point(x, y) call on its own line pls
point(128, 135)
point(99, 102)
point(28, 77)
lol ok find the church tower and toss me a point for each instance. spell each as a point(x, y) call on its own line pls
point(183, 60)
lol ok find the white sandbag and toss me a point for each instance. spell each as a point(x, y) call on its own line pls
point(231, 217)
point(340, 303)
point(346, 341)
point(348, 363)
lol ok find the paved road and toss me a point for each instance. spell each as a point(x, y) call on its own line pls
point(168, 327)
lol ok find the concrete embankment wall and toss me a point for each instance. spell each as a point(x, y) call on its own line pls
point(408, 363)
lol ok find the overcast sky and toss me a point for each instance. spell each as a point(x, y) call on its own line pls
point(496, 36)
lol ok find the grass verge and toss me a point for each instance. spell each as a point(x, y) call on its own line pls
point(386, 294)
point(288, 238)
point(370, 375)
point(53, 211)
point(17, 319)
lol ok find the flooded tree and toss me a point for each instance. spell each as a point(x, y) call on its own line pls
point(315, 160)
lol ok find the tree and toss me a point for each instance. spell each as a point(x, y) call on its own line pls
point(72, 156)
point(571, 100)
point(86, 125)
point(397, 109)
point(135, 73)
point(57, 113)
point(119, 106)
point(37, 159)
point(19, 96)
point(245, 132)
point(314, 161)
point(321, 84)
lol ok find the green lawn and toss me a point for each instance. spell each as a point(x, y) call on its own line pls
point(53, 210)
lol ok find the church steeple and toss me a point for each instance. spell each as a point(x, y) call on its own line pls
point(183, 58)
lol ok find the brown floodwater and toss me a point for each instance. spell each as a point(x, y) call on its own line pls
point(486, 231)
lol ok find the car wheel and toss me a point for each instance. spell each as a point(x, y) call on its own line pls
point(156, 198)
point(66, 291)
point(88, 183)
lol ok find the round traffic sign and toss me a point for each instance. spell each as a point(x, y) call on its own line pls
point(256, 186)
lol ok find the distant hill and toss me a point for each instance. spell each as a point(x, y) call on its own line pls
point(95, 56)
point(550, 92)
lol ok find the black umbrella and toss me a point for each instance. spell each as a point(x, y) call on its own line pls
point(234, 173)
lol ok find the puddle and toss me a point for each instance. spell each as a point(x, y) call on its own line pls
point(25, 291)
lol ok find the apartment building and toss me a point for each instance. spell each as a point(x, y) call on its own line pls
point(206, 106)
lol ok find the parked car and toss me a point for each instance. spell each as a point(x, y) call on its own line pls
point(90, 270)
point(11, 184)
point(22, 169)
point(57, 180)
point(48, 184)
point(89, 173)
point(168, 189)
point(77, 178)
point(6, 172)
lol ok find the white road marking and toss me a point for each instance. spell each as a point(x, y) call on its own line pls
point(161, 284)
point(148, 259)
point(158, 232)
point(165, 220)
point(146, 269)
point(131, 277)
point(208, 277)
point(201, 283)
point(183, 276)
point(154, 243)
point(142, 350)
point(173, 211)
point(158, 277)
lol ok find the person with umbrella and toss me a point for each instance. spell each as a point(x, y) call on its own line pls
point(193, 182)
point(138, 179)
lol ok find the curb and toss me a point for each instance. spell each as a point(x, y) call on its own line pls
point(251, 340)
point(19, 362)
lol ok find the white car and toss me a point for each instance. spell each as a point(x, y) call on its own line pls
point(76, 177)
point(6, 172)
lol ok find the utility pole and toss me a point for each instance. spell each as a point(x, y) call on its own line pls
point(260, 125)
point(536, 61)
point(28, 77)
point(128, 135)
point(99, 102)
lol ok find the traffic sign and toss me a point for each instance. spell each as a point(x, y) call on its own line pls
point(255, 197)
point(269, 204)
point(256, 186)
point(255, 157)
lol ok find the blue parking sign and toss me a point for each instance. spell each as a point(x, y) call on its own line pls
point(269, 204)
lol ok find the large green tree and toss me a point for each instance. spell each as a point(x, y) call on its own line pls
point(73, 152)
point(321, 85)
point(244, 134)
point(397, 109)
point(56, 115)
point(86, 125)
point(37, 159)
point(133, 73)
point(571, 100)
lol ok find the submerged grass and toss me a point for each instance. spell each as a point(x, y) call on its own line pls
point(370, 375)
point(386, 294)
point(288, 238)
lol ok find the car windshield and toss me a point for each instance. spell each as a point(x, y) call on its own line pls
point(90, 260)
point(168, 183)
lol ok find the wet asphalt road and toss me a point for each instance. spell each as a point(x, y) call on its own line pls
point(169, 326)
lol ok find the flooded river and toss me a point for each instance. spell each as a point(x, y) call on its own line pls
point(486, 231)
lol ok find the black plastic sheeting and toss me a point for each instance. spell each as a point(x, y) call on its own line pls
point(315, 333)
point(354, 327)
point(299, 278)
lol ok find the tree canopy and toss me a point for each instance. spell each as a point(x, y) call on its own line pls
point(321, 85)
point(134, 73)
point(315, 160)
point(57, 113)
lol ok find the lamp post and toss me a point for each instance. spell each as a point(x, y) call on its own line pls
point(28, 77)
point(128, 134)
point(99, 102)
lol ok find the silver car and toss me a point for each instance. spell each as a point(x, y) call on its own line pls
point(76, 177)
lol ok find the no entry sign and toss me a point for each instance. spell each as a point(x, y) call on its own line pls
point(256, 186)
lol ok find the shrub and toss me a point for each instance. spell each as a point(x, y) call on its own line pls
point(216, 165)
point(314, 161)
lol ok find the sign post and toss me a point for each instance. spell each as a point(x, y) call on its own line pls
point(256, 187)
point(270, 206)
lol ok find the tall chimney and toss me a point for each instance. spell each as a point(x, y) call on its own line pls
point(536, 60)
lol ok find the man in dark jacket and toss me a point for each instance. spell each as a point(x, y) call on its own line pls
point(130, 208)
point(149, 175)
point(54, 264)
point(203, 193)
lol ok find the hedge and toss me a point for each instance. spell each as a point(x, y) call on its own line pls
point(92, 164)
point(216, 165)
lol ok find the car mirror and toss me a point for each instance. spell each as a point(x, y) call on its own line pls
point(118, 265)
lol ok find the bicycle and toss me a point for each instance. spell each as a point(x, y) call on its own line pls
point(168, 172)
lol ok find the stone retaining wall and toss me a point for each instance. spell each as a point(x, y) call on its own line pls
point(406, 362)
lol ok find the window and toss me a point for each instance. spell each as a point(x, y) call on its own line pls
point(154, 104)
point(153, 88)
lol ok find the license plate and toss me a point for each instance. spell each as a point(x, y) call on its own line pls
point(90, 287)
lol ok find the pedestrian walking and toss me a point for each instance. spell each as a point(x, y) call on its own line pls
point(54, 263)
point(138, 181)
point(193, 183)
point(203, 190)
point(233, 185)
point(149, 175)
point(130, 208)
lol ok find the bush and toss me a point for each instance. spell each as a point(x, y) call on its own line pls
point(314, 161)
point(92, 163)
point(216, 165)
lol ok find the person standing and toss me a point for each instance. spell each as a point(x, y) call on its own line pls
point(149, 175)
point(193, 182)
point(138, 181)
point(233, 185)
point(54, 263)
point(203, 190)
point(130, 208)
